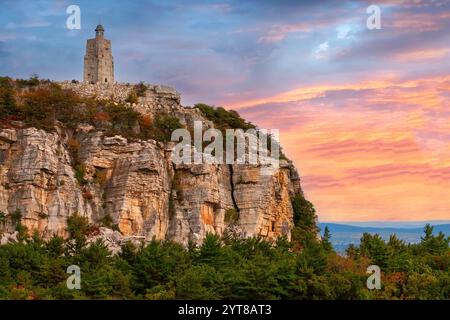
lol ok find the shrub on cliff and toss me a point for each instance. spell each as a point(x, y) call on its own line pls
point(33, 81)
point(224, 119)
point(78, 228)
point(230, 119)
point(80, 172)
point(166, 124)
point(305, 218)
point(124, 119)
point(231, 216)
point(44, 105)
point(8, 105)
point(140, 89)
point(132, 98)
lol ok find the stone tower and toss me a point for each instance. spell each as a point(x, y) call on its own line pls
point(98, 61)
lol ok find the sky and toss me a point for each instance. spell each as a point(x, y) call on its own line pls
point(364, 114)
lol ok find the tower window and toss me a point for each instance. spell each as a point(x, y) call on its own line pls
point(106, 80)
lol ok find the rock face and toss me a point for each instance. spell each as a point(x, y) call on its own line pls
point(135, 183)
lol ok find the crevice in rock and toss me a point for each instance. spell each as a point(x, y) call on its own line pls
point(230, 166)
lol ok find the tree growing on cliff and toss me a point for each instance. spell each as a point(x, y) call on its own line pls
point(8, 104)
point(78, 228)
point(305, 221)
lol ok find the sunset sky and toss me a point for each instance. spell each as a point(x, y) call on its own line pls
point(364, 114)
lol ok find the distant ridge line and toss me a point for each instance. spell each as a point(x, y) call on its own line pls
point(339, 227)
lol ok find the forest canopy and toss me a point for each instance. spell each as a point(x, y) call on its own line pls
point(227, 268)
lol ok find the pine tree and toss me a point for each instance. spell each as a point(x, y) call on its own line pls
point(305, 218)
point(434, 244)
point(374, 247)
point(326, 243)
point(428, 230)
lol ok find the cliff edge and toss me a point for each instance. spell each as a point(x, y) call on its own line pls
point(130, 184)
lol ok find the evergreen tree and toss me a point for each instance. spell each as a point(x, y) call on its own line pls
point(374, 247)
point(305, 230)
point(434, 244)
point(352, 251)
point(326, 243)
point(78, 228)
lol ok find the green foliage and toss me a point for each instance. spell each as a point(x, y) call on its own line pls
point(326, 243)
point(166, 124)
point(140, 89)
point(231, 216)
point(312, 259)
point(199, 282)
point(8, 105)
point(229, 119)
point(352, 251)
point(304, 213)
point(55, 246)
point(78, 228)
point(224, 119)
point(374, 247)
point(45, 105)
point(132, 98)
point(22, 231)
point(219, 268)
point(80, 171)
point(2, 217)
point(107, 221)
point(305, 230)
point(434, 244)
point(16, 216)
point(33, 81)
point(157, 264)
point(230, 268)
point(124, 119)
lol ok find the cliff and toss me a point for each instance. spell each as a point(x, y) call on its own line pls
point(131, 184)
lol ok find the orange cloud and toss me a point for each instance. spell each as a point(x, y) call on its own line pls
point(406, 22)
point(420, 55)
point(277, 33)
point(422, 91)
point(379, 151)
point(311, 92)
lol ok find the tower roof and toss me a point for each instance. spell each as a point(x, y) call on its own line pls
point(99, 28)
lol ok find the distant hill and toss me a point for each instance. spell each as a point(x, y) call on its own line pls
point(336, 227)
point(344, 234)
